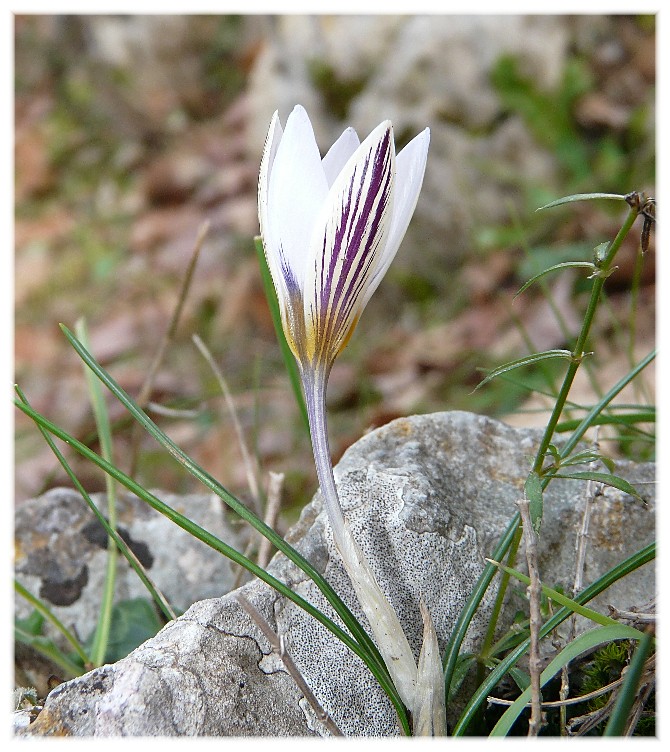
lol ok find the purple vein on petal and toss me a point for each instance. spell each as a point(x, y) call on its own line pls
point(350, 246)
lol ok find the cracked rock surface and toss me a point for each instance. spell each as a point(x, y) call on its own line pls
point(427, 498)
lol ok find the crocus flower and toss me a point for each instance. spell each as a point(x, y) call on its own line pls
point(330, 229)
point(332, 226)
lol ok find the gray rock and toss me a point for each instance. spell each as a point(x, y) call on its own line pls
point(61, 554)
point(427, 498)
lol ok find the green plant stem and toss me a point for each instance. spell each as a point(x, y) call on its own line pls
point(127, 552)
point(577, 356)
point(580, 344)
point(101, 636)
point(484, 651)
point(39, 606)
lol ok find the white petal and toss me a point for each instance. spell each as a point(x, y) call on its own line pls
point(270, 243)
point(297, 191)
point(349, 236)
point(339, 153)
point(410, 169)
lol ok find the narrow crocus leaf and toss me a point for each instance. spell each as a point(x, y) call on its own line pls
point(429, 713)
point(581, 644)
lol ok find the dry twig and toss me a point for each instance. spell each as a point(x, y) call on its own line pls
point(277, 643)
point(275, 483)
point(147, 386)
point(534, 598)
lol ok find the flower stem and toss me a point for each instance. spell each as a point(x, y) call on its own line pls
point(384, 623)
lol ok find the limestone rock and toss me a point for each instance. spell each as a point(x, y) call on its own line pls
point(427, 498)
point(61, 555)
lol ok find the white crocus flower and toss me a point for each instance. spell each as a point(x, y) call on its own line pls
point(330, 228)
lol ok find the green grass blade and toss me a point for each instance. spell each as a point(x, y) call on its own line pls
point(48, 650)
point(375, 664)
point(616, 725)
point(624, 568)
point(101, 636)
point(587, 641)
point(41, 608)
point(235, 504)
point(287, 355)
point(134, 562)
point(629, 420)
point(563, 600)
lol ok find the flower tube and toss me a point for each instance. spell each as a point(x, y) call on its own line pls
point(330, 229)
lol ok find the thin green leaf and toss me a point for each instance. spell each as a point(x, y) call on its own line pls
point(287, 355)
point(44, 610)
point(234, 503)
point(607, 478)
point(525, 361)
point(101, 639)
point(366, 649)
point(561, 599)
point(565, 265)
point(582, 197)
point(127, 552)
point(587, 641)
point(48, 649)
point(623, 419)
point(616, 726)
point(624, 568)
point(533, 491)
point(581, 458)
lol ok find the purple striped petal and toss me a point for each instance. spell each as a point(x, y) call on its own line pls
point(347, 241)
point(410, 169)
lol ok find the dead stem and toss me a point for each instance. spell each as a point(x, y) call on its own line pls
point(534, 598)
point(250, 466)
point(275, 483)
point(147, 386)
point(278, 646)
